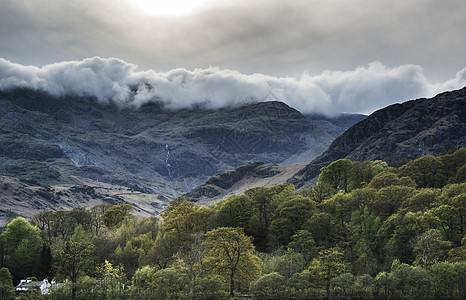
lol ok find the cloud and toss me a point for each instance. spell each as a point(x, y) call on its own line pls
point(361, 90)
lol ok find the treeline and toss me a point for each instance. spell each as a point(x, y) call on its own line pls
point(365, 231)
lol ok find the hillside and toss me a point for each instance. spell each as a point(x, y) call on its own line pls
point(398, 132)
point(238, 180)
point(72, 141)
point(393, 134)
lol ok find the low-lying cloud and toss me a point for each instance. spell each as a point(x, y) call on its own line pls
point(362, 90)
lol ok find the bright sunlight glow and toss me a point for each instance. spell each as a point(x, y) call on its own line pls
point(167, 7)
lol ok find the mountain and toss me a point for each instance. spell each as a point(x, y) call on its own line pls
point(73, 141)
point(396, 133)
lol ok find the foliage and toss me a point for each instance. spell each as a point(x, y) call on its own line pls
point(365, 231)
point(74, 257)
point(23, 243)
point(6, 284)
point(230, 253)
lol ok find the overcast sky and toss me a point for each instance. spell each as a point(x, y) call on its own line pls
point(323, 56)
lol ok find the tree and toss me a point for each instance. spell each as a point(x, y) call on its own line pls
point(211, 287)
point(264, 202)
point(343, 286)
point(114, 215)
point(327, 265)
point(285, 263)
point(113, 280)
point(6, 284)
point(303, 242)
point(389, 199)
point(337, 174)
point(169, 283)
point(320, 192)
point(129, 257)
point(142, 282)
point(427, 171)
point(271, 285)
point(63, 224)
point(164, 250)
point(183, 217)
point(191, 258)
point(45, 262)
point(23, 243)
point(430, 247)
point(235, 211)
point(387, 178)
point(290, 215)
point(74, 257)
point(230, 253)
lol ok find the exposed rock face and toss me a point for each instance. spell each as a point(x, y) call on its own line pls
point(153, 150)
point(401, 131)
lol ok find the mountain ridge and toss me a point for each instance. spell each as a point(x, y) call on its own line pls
point(399, 131)
point(72, 140)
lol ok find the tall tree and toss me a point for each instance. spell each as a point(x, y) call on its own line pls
point(327, 265)
point(23, 243)
point(74, 257)
point(230, 253)
point(6, 284)
point(337, 174)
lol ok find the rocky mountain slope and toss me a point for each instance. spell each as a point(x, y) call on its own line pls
point(398, 132)
point(73, 140)
point(393, 134)
point(240, 179)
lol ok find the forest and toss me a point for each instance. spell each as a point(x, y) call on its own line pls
point(366, 230)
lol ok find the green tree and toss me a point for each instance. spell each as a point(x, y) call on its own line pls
point(230, 253)
point(74, 257)
point(113, 281)
point(114, 215)
point(343, 286)
point(129, 257)
point(290, 215)
point(235, 211)
point(264, 203)
point(320, 192)
point(164, 250)
point(272, 285)
point(389, 199)
point(141, 284)
point(211, 287)
point(327, 265)
point(337, 174)
point(183, 217)
point(192, 260)
point(286, 263)
point(321, 228)
point(23, 243)
point(6, 284)
point(63, 224)
point(386, 179)
point(169, 283)
point(303, 242)
point(427, 171)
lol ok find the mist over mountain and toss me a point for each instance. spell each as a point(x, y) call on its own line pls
point(111, 80)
